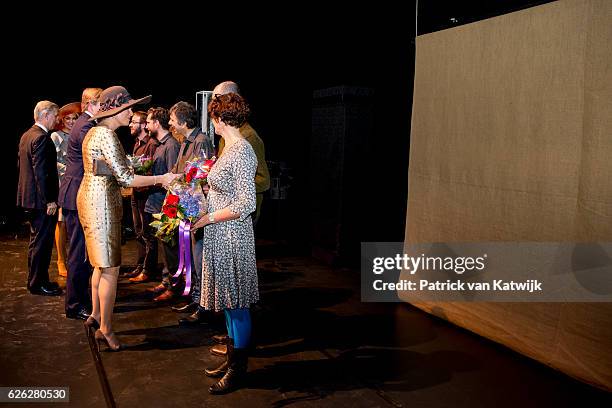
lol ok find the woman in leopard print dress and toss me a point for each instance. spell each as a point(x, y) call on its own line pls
point(229, 269)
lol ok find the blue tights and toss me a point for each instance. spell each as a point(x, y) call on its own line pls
point(238, 322)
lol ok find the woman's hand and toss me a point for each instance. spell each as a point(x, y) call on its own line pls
point(201, 222)
point(167, 179)
point(51, 208)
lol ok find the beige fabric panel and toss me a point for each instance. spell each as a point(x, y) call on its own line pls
point(594, 219)
point(512, 141)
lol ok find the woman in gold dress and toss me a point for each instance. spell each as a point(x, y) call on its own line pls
point(99, 203)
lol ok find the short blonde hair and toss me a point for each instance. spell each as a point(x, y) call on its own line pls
point(90, 95)
point(42, 108)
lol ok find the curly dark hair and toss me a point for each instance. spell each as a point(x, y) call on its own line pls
point(230, 108)
point(185, 113)
point(161, 115)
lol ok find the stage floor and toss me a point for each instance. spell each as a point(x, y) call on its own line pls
point(316, 345)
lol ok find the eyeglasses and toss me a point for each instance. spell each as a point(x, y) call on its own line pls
point(137, 123)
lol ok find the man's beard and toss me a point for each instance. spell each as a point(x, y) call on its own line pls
point(153, 133)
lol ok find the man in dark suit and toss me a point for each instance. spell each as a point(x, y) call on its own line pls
point(78, 300)
point(37, 195)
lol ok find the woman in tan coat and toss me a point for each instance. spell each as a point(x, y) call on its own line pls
point(99, 203)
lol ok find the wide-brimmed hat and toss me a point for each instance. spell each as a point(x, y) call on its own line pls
point(115, 100)
point(70, 108)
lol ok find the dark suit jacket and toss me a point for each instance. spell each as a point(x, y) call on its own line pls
point(195, 145)
point(38, 181)
point(74, 163)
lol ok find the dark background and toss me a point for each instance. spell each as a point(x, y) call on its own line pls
point(173, 53)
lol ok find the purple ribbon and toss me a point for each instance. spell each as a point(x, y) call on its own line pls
point(184, 255)
point(181, 250)
point(187, 252)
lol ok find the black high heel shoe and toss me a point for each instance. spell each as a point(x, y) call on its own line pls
point(92, 323)
point(102, 338)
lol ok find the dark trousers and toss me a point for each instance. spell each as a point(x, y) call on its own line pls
point(170, 259)
point(42, 234)
point(138, 205)
point(79, 270)
point(145, 235)
point(197, 246)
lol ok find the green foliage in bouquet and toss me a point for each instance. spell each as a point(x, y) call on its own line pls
point(167, 221)
point(141, 164)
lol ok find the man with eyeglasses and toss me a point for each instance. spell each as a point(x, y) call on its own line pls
point(144, 145)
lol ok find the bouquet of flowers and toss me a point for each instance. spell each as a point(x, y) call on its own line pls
point(185, 199)
point(141, 164)
point(184, 204)
point(196, 171)
point(181, 204)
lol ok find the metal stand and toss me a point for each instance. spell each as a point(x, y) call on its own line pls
point(203, 98)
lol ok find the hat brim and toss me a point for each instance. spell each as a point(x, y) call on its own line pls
point(119, 109)
point(73, 107)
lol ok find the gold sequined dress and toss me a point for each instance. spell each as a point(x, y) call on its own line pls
point(99, 200)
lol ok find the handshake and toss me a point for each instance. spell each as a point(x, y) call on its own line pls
point(166, 179)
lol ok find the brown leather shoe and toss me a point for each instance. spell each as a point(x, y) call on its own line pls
point(157, 289)
point(218, 350)
point(137, 271)
point(196, 317)
point(220, 338)
point(188, 308)
point(167, 295)
point(143, 277)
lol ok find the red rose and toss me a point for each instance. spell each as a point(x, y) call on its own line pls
point(208, 164)
point(170, 211)
point(191, 174)
point(172, 199)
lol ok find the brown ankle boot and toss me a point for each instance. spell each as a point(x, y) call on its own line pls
point(218, 350)
point(220, 338)
point(236, 371)
point(222, 369)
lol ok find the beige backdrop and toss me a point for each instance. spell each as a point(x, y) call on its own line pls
point(512, 141)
